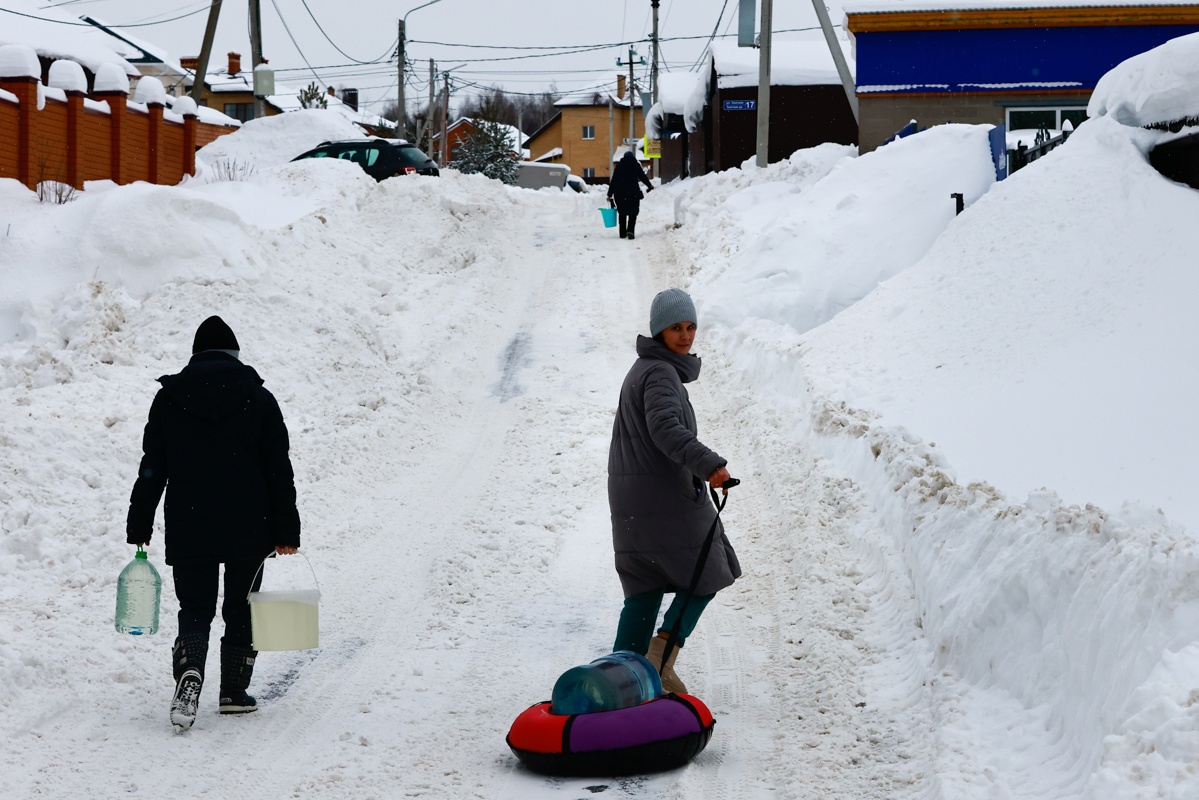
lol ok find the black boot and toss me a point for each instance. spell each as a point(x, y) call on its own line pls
point(188, 656)
point(237, 667)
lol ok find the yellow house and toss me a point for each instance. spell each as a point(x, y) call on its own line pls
point(587, 131)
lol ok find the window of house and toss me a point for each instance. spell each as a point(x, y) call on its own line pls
point(1048, 117)
point(588, 172)
point(588, 131)
point(243, 112)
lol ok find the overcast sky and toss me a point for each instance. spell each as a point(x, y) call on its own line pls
point(366, 30)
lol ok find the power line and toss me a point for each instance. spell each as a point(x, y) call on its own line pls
point(390, 48)
point(294, 43)
point(88, 25)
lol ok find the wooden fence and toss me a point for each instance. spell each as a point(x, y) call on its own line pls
point(71, 138)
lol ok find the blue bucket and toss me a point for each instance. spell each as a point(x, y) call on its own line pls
point(609, 217)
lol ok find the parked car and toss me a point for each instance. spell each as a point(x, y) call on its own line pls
point(380, 158)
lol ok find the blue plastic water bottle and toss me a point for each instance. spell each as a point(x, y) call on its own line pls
point(609, 683)
point(139, 590)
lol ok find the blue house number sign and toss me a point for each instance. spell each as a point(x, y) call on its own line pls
point(740, 105)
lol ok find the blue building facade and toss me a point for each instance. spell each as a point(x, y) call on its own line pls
point(1024, 68)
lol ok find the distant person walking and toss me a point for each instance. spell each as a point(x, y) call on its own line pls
point(661, 513)
point(216, 442)
point(624, 188)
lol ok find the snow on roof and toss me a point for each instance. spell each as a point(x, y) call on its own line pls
point(1161, 85)
point(792, 63)
point(552, 153)
point(287, 98)
point(54, 34)
point(132, 48)
point(682, 93)
point(595, 98)
point(900, 6)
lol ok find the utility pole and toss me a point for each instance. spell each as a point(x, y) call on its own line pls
point(632, 128)
point(401, 115)
point(764, 86)
point(214, 11)
point(834, 46)
point(445, 123)
point(256, 55)
point(653, 79)
point(611, 145)
point(429, 110)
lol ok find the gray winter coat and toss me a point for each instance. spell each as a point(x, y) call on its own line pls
point(661, 512)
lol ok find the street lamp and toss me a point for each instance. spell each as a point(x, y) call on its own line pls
point(401, 116)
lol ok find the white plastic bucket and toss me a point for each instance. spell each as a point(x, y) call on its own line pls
point(285, 620)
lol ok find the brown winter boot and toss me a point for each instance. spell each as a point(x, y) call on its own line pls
point(670, 681)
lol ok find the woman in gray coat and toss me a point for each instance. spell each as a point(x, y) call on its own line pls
point(661, 513)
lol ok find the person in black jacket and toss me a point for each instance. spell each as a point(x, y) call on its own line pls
point(624, 189)
point(216, 442)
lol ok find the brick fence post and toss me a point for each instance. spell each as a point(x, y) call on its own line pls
point(112, 86)
point(26, 91)
point(74, 145)
point(155, 110)
point(68, 76)
point(187, 107)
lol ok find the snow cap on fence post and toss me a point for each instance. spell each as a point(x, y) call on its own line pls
point(111, 78)
point(150, 90)
point(184, 106)
point(19, 61)
point(68, 76)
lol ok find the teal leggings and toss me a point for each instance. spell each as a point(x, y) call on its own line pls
point(640, 612)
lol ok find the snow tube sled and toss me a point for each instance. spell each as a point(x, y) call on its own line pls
point(662, 734)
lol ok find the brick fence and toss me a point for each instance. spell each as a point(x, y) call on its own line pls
point(68, 137)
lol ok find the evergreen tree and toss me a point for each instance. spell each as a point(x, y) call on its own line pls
point(311, 96)
point(489, 151)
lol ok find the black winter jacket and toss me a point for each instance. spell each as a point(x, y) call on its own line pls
point(625, 187)
point(216, 441)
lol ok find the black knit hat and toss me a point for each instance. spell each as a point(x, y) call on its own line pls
point(214, 334)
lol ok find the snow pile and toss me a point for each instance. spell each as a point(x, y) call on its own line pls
point(1159, 86)
point(278, 139)
point(1042, 339)
point(812, 252)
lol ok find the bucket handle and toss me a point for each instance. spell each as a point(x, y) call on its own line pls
point(273, 555)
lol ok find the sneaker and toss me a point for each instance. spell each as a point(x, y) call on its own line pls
point(186, 700)
point(237, 702)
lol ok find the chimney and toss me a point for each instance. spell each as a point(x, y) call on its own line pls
point(350, 98)
point(332, 92)
point(234, 63)
point(190, 62)
point(620, 87)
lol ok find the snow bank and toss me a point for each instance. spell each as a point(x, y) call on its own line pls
point(279, 138)
point(1161, 85)
point(814, 252)
point(1042, 339)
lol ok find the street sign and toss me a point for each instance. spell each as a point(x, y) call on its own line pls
point(653, 148)
point(739, 105)
point(631, 142)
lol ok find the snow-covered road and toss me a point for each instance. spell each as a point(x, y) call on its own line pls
point(450, 419)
